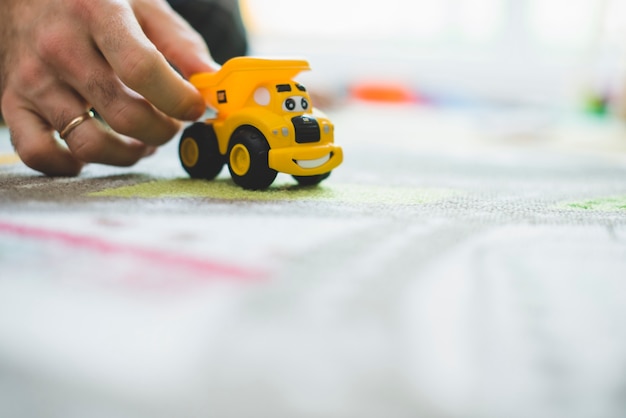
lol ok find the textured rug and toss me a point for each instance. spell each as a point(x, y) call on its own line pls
point(460, 263)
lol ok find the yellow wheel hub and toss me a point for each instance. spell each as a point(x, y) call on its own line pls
point(189, 152)
point(240, 159)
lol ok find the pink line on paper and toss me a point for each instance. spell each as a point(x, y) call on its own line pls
point(204, 268)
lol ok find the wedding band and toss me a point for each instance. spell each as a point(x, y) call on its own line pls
point(63, 133)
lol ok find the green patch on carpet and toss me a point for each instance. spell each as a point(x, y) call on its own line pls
point(227, 190)
point(606, 204)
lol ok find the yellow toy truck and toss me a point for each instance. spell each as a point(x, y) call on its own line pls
point(264, 124)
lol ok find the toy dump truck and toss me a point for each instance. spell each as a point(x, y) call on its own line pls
point(264, 124)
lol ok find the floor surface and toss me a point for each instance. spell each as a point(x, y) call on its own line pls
point(460, 263)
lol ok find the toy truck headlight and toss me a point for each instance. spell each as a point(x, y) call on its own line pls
point(282, 130)
point(326, 127)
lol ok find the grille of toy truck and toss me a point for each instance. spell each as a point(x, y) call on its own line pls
point(307, 129)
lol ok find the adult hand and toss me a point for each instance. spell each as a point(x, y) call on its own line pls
point(59, 58)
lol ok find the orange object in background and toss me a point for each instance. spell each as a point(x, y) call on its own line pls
point(383, 91)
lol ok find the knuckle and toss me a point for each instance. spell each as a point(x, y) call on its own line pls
point(103, 87)
point(138, 68)
point(29, 74)
point(124, 120)
point(52, 45)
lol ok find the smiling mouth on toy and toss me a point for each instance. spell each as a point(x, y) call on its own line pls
point(313, 163)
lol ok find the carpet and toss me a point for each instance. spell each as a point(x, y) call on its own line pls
point(466, 262)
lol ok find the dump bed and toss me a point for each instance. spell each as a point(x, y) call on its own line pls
point(228, 89)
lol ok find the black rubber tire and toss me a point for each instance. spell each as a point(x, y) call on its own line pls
point(311, 180)
point(209, 161)
point(258, 176)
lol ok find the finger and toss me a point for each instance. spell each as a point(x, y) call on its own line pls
point(124, 110)
point(92, 142)
point(34, 141)
point(141, 66)
point(86, 71)
point(89, 141)
point(175, 38)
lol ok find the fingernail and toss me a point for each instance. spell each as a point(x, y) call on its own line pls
point(150, 150)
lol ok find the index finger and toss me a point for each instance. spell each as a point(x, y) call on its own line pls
point(140, 66)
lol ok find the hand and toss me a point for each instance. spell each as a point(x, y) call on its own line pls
point(59, 58)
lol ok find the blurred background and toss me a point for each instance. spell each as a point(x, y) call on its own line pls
point(560, 53)
point(472, 266)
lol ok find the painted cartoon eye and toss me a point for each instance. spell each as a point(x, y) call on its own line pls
point(296, 104)
point(290, 104)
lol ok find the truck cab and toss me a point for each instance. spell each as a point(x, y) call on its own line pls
point(265, 123)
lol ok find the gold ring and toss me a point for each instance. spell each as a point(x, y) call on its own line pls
point(63, 133)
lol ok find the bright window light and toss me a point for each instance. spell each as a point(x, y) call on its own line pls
point(421, 20)
point(563, 23)
point(540, 49)
point(479, 20)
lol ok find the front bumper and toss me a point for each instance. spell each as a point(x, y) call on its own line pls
point(305, 161)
